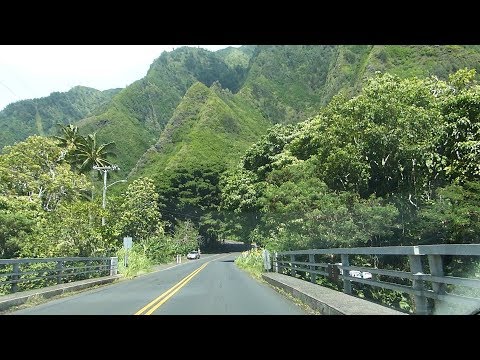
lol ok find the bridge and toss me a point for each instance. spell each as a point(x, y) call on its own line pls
point(214, 285)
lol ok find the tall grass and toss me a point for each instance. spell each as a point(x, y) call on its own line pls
point(252, 262)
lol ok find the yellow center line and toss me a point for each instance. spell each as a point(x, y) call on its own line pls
point(160, 300)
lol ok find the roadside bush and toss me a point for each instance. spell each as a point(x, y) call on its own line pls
point(251, 261)
point(138, 261)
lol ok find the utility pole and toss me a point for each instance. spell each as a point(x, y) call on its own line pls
point(105, 170)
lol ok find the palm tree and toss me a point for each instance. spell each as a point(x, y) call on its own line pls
point(90, 153)
point(69, 140)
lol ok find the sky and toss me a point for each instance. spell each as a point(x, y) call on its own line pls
point(32, 71)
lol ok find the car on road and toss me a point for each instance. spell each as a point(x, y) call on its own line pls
point(193, 255)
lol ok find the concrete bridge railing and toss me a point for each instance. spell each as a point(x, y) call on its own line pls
point(36, 273)
point(425, 280)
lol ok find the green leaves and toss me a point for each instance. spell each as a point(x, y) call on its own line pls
point(139, 215)
point(453, 216)
point(360, 171)
point(89, 153)
point(36, 168)
point(19, 216)
point(458, 145)
point(73, 229)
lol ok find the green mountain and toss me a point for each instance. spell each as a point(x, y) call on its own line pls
point(277, 83)
point(40, 116)
point(237, 56)
point(210, 127)
point(137, 115)
point(209, 131)
point(291, 83)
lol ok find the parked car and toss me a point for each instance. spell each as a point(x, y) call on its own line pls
point(193, 255)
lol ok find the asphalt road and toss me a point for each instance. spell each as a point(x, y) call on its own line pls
point(212, 285)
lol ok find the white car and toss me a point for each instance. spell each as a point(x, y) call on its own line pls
point(193, 255)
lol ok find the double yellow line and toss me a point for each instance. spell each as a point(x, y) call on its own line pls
point(159, 301)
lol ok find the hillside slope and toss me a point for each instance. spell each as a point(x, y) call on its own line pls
point(39, 116)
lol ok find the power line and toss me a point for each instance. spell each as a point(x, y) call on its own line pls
point(1, 82)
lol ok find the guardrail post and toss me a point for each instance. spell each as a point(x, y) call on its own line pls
point(59, 269)
point(420, 300)
point(267, 265)
point(15, 277)
point(313, 276)
point(293, 271)
point(275, 263)
point(113, 266)
point(106, 267)
point(88, 268)
point(436, 269)
point(347, 284)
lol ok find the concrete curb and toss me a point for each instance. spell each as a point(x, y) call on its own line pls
point(8, 301)
point(324, 300)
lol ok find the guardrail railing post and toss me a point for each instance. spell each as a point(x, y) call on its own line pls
point(416, 268)
point(293, 271)
point(436, 269)
point(313, 276)
point(275, 263)
point(347, 284)
point(15, 277)
point(113, 266)
point(59, 269)
point(88, 268)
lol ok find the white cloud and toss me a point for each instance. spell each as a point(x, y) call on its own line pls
point(31, 71)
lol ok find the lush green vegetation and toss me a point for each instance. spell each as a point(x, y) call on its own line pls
point(141, 111)
point(396, 165)
point(291, 147)
point(47, 207)
point(251, 261)
point(371, 170)
point(285, 84)
point(208, 132)
point(234, 57)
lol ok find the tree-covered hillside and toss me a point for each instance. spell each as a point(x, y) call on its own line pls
point(237, 56)
point(397, 164)
point(291, 83)
point(139, 113)
point(209, 130)
point(285, 84)
point(40, 116)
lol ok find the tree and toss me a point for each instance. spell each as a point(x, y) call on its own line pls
point(70, 141)
point(453, 216)
point(300, 211)
point(36, 168)
point(261, 156)
point(186, 237)
point(73, 229)
point(192, 193)
point(458, 146)
point(139, 215)
point(90, 153)
point(240, 208)
point(19, 217)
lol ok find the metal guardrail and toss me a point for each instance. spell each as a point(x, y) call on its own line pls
point(424, 286)
point(20, 274)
